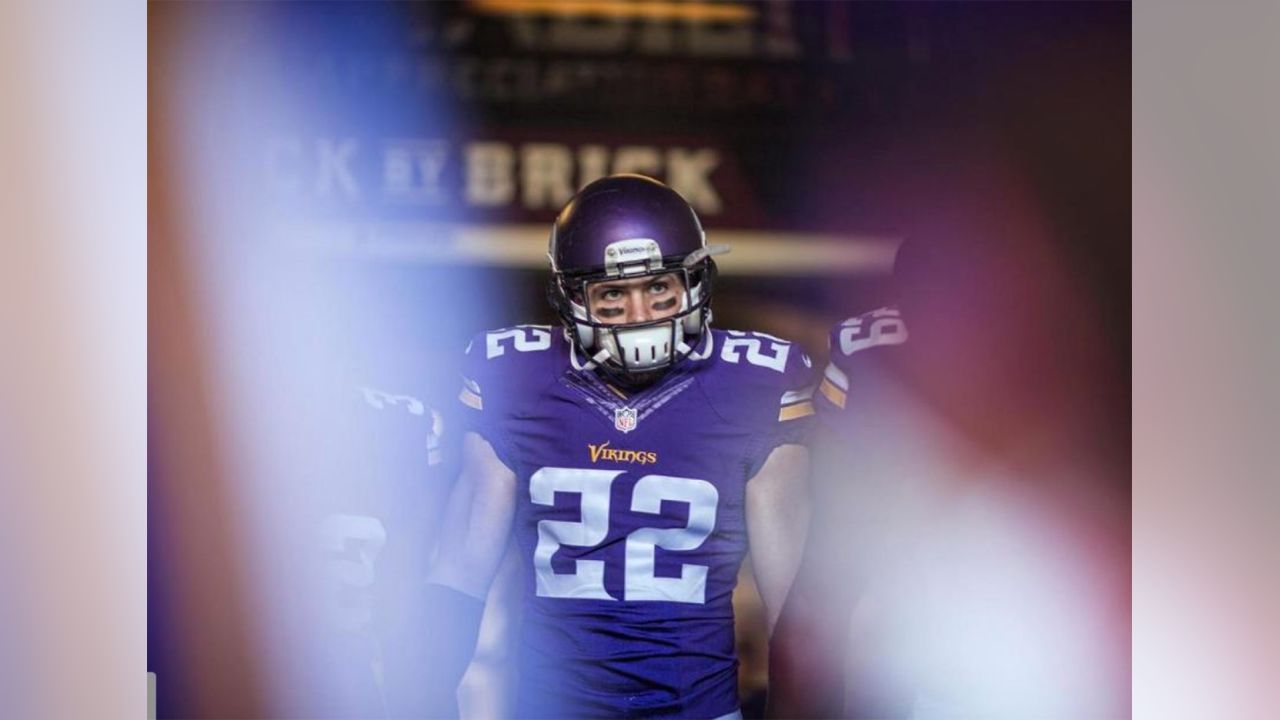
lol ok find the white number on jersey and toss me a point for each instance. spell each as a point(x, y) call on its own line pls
point(380, 400)
point(649, 492)
point(587, 579)
point(776, 359)
point(640, 581)
point(367, 535)
point(525, 338)
point(885, 328)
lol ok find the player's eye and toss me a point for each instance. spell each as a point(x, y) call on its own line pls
point(611, 295)
point(658, 287)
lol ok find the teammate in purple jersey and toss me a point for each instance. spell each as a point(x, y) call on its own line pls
point(372, 492)
point(635, 454)
point(374, 484)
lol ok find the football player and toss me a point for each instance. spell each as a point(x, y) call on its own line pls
point(373, 481)
point(635, 453)
point(945, 578)
point(822, 666)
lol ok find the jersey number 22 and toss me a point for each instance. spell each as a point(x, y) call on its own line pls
point(640, 582)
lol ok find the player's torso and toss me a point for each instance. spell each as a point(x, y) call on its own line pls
point(648, 491)
point(631, 527)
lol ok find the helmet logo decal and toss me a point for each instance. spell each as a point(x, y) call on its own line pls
point(632, 257)
point(625, 419)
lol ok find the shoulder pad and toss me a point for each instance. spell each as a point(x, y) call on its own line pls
point(500, 362)
point(757, 349)
point(882, 326)
point(764, 379)
point(393, 415)
point(508, 341)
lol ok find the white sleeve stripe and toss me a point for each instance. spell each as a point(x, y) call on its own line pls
point(837, 377)
point(793, 396)
point(471, 385)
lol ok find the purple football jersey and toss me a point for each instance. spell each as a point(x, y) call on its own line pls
point(374, 491)
point(630, 516)
point(850, 342)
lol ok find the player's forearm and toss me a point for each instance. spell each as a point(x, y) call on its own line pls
point(469, 562)
point(778, 511)
point(477, 522)
point(776, 575)
point(454, 597)
point(776, 569)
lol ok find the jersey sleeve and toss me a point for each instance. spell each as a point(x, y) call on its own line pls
point(402, 425)
point(774, 394)
point(851, 343)
point(793, 420)
point(483, 398)
point(503, 372)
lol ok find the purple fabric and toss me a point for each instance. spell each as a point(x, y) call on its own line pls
point(708, 421)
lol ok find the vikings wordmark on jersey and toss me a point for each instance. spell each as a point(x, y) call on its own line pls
point(630, 515)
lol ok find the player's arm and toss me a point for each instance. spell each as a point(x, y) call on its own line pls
point(778, 509)
point(486, 689)
point(849, 342)
point(477, 522)
point(472, 541)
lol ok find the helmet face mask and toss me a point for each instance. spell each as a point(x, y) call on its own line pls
point(636, 352)
point(623, 229)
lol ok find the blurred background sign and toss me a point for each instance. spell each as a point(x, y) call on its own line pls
point(496, 112)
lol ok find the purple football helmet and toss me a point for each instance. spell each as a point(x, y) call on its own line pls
point(627, 227)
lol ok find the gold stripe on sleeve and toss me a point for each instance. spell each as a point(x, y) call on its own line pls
point(832, 393)
point(799, 410)
point(471, 399)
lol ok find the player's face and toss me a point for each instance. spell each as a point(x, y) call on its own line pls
point(637, 300)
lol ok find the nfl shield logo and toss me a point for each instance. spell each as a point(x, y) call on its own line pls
point(624, 419)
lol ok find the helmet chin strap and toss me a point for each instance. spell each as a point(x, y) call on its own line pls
point(597, 359)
